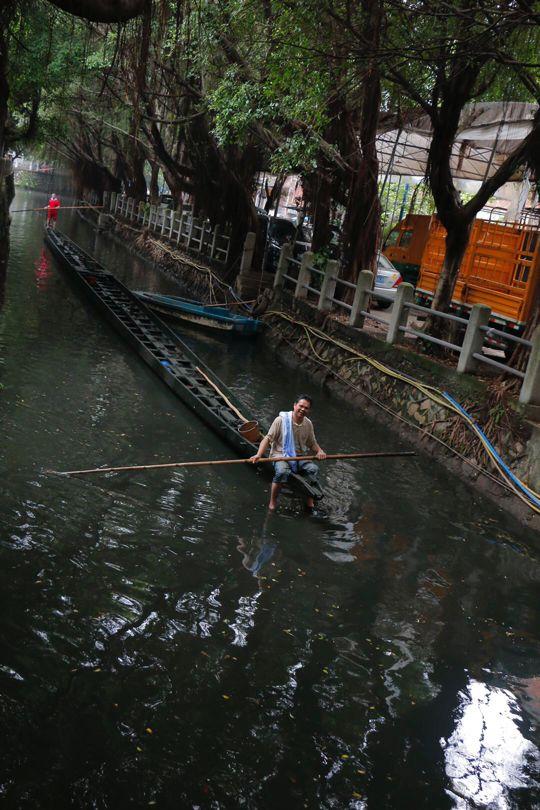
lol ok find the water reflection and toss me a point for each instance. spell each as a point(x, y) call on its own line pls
point(259, 549)
point(168, 643)
point(487, 756)
point(42, 270)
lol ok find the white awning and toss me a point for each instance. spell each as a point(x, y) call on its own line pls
point(488, 132)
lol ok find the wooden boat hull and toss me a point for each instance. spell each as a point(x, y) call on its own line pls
point(161, 348)
point(183, 309)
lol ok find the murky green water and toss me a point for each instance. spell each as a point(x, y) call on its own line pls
point(165, 643)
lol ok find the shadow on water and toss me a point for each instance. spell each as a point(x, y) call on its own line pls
point(167, 642)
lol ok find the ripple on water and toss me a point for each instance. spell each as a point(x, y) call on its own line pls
point(344, 652)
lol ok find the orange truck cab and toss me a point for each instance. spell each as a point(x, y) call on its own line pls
point(405, 244)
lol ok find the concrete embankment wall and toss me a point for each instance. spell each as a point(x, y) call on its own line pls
point(423, 422)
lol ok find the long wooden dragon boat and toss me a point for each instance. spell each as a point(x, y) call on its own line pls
point(166, 354)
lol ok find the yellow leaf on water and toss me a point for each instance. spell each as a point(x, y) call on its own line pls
point(149, 730)
point(226, 697)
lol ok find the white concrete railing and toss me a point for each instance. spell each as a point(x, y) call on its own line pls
point(319, 286)
point(179, 226)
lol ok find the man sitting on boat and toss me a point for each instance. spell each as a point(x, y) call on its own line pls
point(291, 434)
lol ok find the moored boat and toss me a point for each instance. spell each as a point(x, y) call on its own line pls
point(194, 312)
point(168, 356)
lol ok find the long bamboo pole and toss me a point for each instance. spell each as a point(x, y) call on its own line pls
point(222, 395)
point(60, 208)
point(330, 457)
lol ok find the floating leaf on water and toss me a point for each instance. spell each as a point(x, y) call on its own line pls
point(226, 697)
point(148, 730)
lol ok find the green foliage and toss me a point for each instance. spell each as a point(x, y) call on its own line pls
point(236, 105)
point(295, 154)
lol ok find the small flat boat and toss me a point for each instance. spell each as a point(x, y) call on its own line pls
point(212, 317)
point(168, 356)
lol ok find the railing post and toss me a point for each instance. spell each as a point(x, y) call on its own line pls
point(474, 338)
point(112, 207)
point(400, 312)
point(215, 237)
point(328, 287)
point(106, 200)
point(361, 298)
point(247, 253)
point(140, 213)
point(227, 237)
point(530, 388)
point(190, 231)
point(201, 240)
point(173, 218)
point(283, 263)
point(180, 227)
point(304, 274)
point(164, 212)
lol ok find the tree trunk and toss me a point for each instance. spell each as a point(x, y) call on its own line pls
point(361, 227)
point(320, 207)
point(154, 187)
point(136, 181)
point(457, 239)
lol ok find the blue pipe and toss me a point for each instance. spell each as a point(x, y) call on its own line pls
point(497, 457)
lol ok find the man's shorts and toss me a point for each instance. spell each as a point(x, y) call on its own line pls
point(282, 470)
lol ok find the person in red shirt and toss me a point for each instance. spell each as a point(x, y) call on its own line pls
point(52, 211)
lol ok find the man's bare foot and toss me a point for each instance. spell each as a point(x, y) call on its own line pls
point(272, 507)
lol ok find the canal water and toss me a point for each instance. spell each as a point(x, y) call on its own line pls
point(166, 642)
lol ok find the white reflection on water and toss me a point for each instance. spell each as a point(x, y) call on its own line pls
point(487, 755)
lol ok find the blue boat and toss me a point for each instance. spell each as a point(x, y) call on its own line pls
point(213, 317)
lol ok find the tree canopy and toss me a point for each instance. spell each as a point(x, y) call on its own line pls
point(211, 93)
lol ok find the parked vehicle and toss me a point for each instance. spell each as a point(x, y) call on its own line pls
point(279, 231)
point(405, 244)
point(501, 269)
point(387, 281)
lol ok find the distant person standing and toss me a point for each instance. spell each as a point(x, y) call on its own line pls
point(52, 211)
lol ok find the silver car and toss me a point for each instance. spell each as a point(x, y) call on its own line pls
point(387, 281)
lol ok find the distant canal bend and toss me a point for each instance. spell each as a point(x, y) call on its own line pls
point(167, 643)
